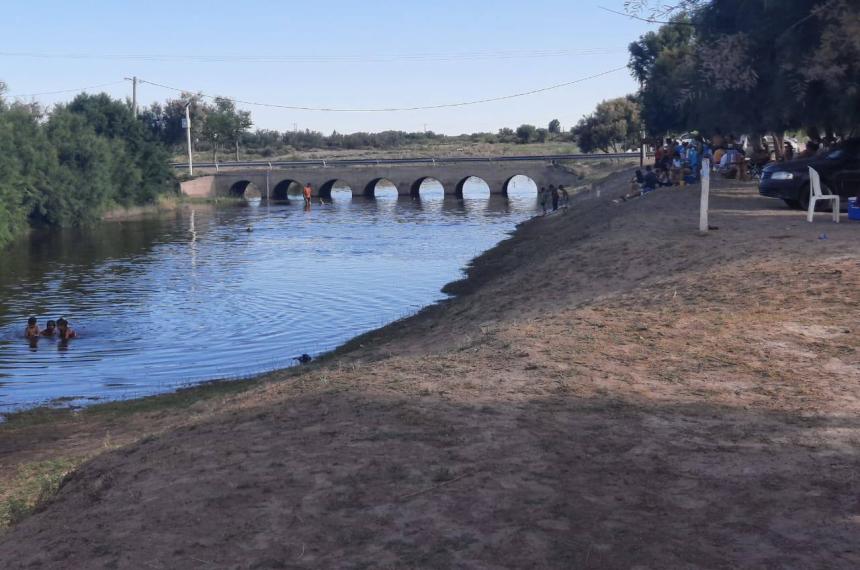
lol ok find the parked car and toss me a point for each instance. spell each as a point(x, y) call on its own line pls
point(839, 169)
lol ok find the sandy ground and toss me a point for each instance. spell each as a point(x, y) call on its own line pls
point(609, 389)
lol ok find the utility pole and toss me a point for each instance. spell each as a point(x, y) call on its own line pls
point(133, 94)
point(188, 137)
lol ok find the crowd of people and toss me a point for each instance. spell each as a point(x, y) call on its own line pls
point(59, 329)
point(677, 163)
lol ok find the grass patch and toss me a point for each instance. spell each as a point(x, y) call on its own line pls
point(35, 484)
point(182, 398)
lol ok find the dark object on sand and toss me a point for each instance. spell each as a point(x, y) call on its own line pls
point(303, 359)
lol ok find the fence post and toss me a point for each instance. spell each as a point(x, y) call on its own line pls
point(706, 189)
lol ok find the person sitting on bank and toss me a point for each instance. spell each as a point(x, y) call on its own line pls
point(810, 150)
point(649, 184)
point(32, 330)
point(65, 332)
point(50, 328)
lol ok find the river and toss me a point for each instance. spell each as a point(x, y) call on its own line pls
point(210, 292)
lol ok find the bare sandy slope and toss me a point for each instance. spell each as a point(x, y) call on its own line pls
point(609, 390)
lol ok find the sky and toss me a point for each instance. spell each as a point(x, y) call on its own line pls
point(331, 53)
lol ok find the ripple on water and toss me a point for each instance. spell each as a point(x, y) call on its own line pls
point(172, 301)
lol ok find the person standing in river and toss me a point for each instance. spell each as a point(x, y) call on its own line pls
point(307, 192)
point(553, 191)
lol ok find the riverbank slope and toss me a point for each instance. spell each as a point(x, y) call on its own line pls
point(608, 388)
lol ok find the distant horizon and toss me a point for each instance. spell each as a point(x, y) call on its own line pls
point(361, 57)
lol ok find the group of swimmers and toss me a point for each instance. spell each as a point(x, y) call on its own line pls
point(59, 328)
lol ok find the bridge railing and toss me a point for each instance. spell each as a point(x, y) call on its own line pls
point(417, 160)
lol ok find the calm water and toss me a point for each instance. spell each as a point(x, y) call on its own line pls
point(194, 296)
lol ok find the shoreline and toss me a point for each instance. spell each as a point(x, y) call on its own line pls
point(586, 365)
point(454, 288)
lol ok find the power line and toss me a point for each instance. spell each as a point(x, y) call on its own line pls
point(390, 109)
point(76, 90)
point(350, 58)
point(648, 20)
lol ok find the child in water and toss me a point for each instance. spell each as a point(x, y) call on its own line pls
point(50, 328)
point(65, 331)
point(32, 330)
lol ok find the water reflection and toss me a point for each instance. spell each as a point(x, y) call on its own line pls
point(193, 295)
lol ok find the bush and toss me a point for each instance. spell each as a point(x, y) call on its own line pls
point(88, 156)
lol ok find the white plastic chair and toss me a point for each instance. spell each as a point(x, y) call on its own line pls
point(815, 194)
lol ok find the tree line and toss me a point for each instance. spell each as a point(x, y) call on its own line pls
point(220, 126)
point(68, 166)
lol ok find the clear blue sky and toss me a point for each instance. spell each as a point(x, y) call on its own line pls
point(377, 36)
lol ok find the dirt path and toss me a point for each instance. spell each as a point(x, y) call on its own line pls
point(609, 390)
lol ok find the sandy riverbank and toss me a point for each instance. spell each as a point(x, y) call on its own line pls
point(608, 389)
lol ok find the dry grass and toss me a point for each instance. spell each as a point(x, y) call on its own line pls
point(610, 389)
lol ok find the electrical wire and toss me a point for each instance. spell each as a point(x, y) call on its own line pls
point(648, 20)
point(76, 90)
point(389, 109)
point(371, 58)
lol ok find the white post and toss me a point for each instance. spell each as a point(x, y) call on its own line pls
point(188, 138)
point(706, 188)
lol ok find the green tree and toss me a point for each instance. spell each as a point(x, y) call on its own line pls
point(526, 133)
point(26, 162)
point(554, 126)
point(507, 135)
point(754, 66)
point(65, 168)
point(226, 124)
point(614, 126)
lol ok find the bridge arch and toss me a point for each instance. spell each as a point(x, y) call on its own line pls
point(473, 187)
point(520, 186)
point(285, 188)
point(244, 189)
point(335, 189)
point(432, 187)
point(381, 188)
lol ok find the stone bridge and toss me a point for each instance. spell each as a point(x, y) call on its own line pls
point(278, 183)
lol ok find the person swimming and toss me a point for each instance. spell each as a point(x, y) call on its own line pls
point(50, 328)
point(65, 331)
point(32, 330)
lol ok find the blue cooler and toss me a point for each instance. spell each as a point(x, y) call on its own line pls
point(853, 209)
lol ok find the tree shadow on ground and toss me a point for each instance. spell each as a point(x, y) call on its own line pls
point(353, 480)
